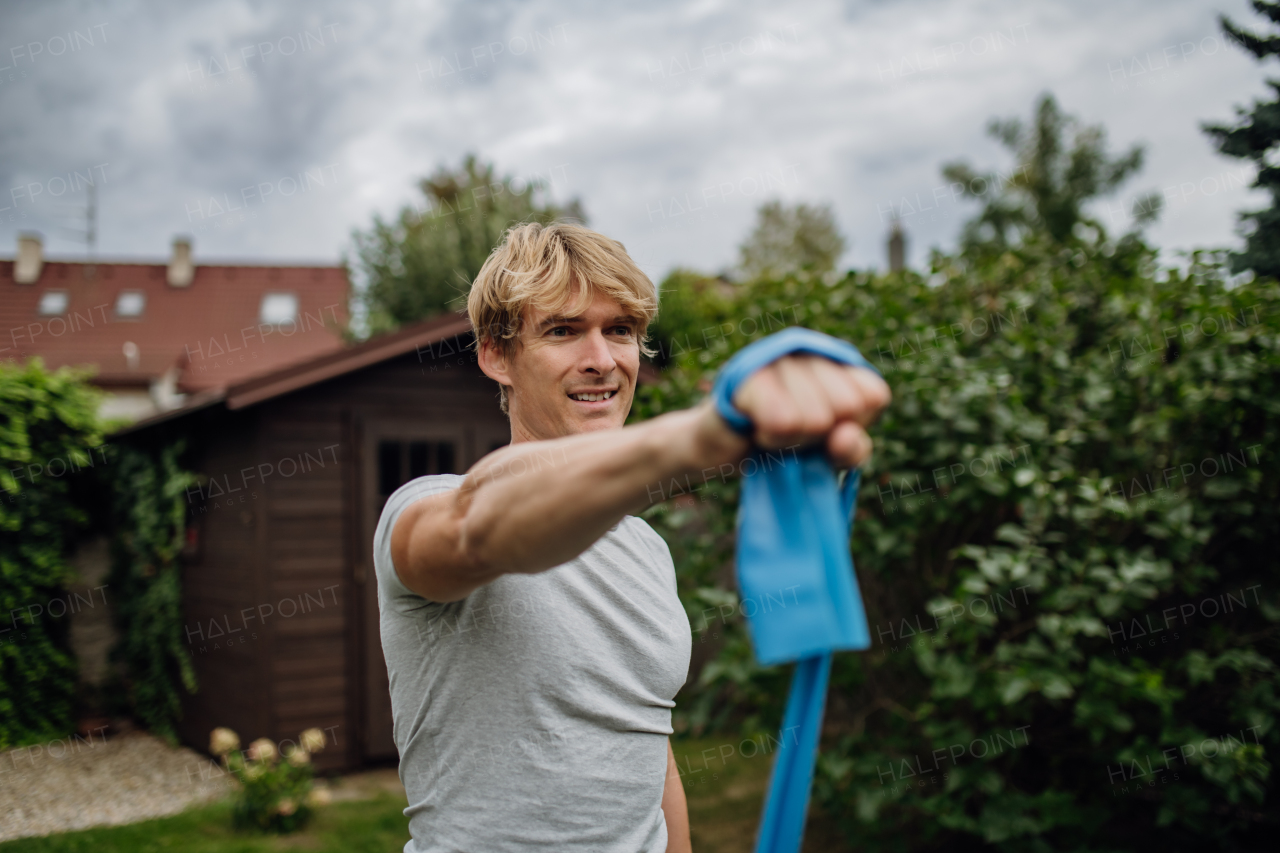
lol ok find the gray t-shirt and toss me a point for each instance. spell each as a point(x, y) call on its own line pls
point(534, 713)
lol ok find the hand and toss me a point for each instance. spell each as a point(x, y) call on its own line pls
point(802, 399)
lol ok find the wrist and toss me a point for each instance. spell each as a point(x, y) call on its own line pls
point(711, 441)
point(689, 440)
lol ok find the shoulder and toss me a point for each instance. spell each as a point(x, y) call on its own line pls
point(401, 499)
point(415, 490)
point(424, 486)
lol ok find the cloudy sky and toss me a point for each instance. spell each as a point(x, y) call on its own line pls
point(268, 131)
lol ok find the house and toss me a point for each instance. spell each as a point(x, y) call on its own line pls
point(156, 332)
point(280, 604)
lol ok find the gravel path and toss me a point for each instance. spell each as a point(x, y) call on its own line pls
point(79, 782)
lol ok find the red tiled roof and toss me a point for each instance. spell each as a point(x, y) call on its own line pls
point(419, 336)
point(423, 337)
point(208, 330)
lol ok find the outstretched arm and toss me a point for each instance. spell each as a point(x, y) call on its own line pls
point(535, 505)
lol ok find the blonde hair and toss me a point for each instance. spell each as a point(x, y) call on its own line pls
point(540, 267)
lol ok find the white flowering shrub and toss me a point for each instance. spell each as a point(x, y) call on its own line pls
point(276, 788)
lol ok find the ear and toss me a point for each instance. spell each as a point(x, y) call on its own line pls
point(494, 363)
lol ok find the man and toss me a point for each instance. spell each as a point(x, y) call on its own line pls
point(532, 632)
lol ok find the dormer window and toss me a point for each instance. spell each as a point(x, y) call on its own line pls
point(53, 303)
point(130, 303)
point(279, 308)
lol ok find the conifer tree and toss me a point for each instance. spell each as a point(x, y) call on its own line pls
point(1255, 136)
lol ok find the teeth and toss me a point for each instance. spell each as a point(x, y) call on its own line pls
point(592, 398)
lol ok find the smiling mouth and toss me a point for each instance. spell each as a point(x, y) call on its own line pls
point(593, 396)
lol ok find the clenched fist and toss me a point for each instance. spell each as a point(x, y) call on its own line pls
point(805, 399)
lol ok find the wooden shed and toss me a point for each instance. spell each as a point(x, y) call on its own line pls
point(280, 604)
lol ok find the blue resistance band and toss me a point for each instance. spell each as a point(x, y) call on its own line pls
point(794, 566)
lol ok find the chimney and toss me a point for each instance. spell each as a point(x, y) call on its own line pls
point(897, 248)
point(26, 269)
point(181, 268)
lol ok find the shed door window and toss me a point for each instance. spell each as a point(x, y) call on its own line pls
point(402, 461)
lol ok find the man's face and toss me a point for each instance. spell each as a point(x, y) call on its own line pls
point(571, 374)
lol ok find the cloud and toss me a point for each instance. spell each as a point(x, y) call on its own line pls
point(671, 121)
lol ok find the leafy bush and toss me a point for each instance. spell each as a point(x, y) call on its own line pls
point(275, 795)
point(49, 433)
point(148, 512)
point(1085, 444)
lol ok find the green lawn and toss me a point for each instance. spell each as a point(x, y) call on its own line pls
point(724, 780)
point(364, 826)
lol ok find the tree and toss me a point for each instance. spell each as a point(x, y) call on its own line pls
point(790, 239)
point(1060, 167)
point(423, 262)
point(1254, 137)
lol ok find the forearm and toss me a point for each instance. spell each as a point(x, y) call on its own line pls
point(536, 505)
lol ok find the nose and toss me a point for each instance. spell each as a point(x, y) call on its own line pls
point(595, 356)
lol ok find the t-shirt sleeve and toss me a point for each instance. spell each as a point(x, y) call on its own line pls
point(391, 589)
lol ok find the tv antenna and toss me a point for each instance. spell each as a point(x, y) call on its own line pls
point(89, 233)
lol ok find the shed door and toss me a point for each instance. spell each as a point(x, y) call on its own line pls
point(394, 454)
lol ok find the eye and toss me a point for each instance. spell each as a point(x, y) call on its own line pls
point(626, 330)
point(559, 331)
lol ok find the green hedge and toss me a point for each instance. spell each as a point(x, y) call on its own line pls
point(1086, 444)
point(148, 529)
point(59, 481)
point(49, 435)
